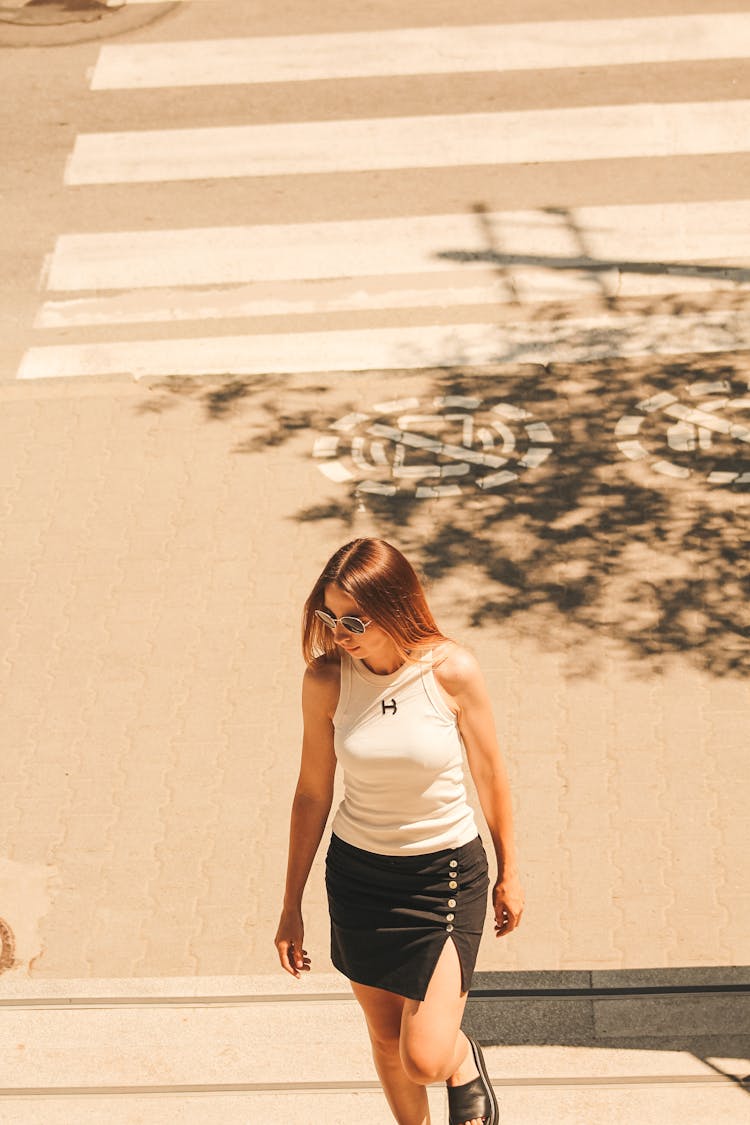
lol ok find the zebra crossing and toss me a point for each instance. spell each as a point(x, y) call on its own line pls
point(434, 50)
point(419, 287)
point(441, 141)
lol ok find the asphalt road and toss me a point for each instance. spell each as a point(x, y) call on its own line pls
point(208, 187)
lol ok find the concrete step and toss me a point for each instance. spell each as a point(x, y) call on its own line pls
point(272, 1050)
point(528, 1106)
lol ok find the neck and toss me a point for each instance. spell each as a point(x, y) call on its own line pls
point(383, 664)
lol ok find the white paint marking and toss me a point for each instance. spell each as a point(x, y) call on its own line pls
point(379, 249)
point(419, 441)
point(657, 402)
point(439, 141)
point(399, 438)
point(507, 435)
point(426, 493)
point(335, 471)
point(378, 453)
point(425, 50)
point(539, 431)
point(707, 421)
point(399, 348)
point(326, 446)
point(494, 480)
point(415, 472)
point(669, 469)
point(720, 477)
point(628, 425)
point(681, 437)
point(535, 455)
point(717, 403)
point(349, 422)
point(533, 286)
point(693, 430)
point(633, 449)
point(441, 402)
point(150, 306)
point(377, 488)
point(709, 388)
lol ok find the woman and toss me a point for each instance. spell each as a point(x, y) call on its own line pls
point(392, 699)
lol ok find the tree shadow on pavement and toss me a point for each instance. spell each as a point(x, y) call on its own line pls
point(629, 523)
point(590, 541)
point(603, 498)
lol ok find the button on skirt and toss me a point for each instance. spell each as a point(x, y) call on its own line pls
point(391, 915)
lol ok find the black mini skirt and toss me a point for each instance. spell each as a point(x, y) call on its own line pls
point(391, 915)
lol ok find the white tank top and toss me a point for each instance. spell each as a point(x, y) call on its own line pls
point(401, 752)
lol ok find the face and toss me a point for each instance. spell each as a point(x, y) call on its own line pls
point(374, 643)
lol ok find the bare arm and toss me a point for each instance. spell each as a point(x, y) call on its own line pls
point(461, 679)
point(310, 807)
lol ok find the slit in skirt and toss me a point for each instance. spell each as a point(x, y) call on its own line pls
point(391, 915)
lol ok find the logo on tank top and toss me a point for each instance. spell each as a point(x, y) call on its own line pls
point(389, 706)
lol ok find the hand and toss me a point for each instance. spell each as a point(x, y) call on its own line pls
point(288, 942)
point(508, 901)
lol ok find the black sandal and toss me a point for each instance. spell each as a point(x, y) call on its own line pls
point(475, 1098)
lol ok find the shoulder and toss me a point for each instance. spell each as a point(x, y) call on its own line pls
point(322, 675)
point(456, 669)
point(320, 683)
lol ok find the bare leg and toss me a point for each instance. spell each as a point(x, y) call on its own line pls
point(415, 1043)
point(433, 1047)
point(407, 1099)
point(463, 1067)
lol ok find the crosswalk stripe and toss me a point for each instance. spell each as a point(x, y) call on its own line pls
point(445, 140)
point(448, 265)
point(483, 287)
point(241, 302)
point(423, 50)
point(627, 235)
point(399, 348)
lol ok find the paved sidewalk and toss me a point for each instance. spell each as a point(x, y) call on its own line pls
point(158, 543)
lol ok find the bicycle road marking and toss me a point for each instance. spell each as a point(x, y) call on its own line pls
point(387, 452)
point(693, 431)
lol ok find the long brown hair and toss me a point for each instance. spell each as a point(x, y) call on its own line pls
point(386, 588)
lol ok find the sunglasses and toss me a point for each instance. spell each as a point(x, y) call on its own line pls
point(353, 624)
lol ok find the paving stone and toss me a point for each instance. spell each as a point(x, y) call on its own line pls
point(142, 665)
